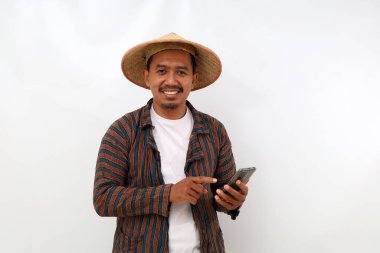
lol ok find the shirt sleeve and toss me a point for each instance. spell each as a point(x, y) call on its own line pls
point(226, 168)
point(111, 196)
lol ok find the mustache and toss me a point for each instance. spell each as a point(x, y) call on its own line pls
point(171, 87)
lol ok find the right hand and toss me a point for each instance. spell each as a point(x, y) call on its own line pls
point(190, 189)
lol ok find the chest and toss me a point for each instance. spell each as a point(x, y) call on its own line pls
point(145, 161)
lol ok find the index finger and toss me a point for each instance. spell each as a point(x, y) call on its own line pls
point(202, 179)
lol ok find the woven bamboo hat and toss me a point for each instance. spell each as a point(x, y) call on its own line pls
point(208, 63)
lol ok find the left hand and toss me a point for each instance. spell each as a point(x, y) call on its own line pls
point(231, 198)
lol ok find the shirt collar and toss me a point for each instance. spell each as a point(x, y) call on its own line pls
point(200, 122)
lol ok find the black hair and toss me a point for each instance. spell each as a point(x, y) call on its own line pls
point(193, 62)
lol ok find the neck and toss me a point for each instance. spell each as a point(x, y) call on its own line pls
point(170, 113)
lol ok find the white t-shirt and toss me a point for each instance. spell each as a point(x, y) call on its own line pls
point(172, 139)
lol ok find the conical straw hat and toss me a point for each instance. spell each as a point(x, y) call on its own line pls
point(208, 63)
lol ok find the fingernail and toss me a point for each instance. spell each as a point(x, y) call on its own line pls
point(226, 187)
point(214, 180)
point(218, 191)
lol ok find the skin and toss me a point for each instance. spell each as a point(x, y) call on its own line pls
point(234, 198)
point(170, 79)
point(170, 71)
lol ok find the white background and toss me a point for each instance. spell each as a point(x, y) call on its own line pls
point(299, 96)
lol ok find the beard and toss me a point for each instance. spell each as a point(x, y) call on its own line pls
point(169, 106)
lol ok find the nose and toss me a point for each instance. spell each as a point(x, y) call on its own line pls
point(171, 78)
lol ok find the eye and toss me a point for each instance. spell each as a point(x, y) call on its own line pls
point(182, 73)
point(161, 71)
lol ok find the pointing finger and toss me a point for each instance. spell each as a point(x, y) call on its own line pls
point(201, 180)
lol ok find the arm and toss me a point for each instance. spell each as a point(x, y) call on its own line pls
point(226, 167)
point(231, 201)
point(111, 196)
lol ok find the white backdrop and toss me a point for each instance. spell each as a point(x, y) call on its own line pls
point(299, 96)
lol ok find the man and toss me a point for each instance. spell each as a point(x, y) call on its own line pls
point(161, 168)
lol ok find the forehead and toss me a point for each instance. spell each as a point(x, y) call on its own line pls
point(172, 55)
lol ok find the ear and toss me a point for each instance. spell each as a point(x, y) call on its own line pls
point(146, 77)
point(195, 78)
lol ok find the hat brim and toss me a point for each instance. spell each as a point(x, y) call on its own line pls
point(208, 68)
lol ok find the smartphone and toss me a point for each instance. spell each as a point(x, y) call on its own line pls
point(243, 175)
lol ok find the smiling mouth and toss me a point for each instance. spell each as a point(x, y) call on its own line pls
point(171, 92)
point(167, 90)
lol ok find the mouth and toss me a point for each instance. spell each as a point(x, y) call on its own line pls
point(166, 92)
point(171, 91)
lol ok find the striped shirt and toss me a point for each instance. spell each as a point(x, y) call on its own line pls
point(129, 184)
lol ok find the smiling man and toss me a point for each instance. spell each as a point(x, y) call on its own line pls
point(161, 168)
point(170, 77)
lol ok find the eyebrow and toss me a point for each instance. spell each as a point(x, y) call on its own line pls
point(182, 67)
point(179, 67)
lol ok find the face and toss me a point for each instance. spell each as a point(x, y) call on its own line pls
point(170, 79)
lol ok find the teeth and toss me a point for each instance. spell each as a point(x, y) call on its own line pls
point(170, 92)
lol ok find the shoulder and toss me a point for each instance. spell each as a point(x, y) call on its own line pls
point(215, 126)
point(130, 119)
point(127, 124)
point(210, 120)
